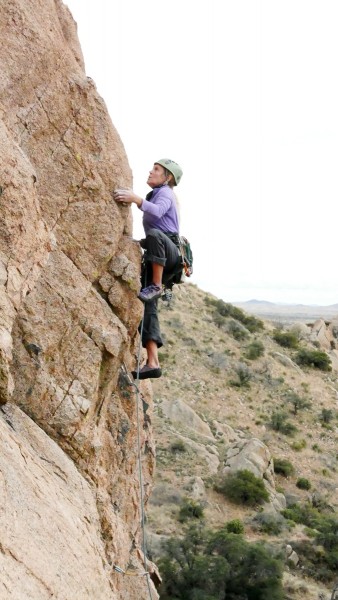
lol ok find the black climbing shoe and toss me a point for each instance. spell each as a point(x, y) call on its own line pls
point(147, 373)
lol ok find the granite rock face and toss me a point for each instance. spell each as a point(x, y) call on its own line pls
point(69, 275)
point(42, 489)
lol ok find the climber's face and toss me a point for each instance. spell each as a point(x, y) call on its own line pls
point(157, 176)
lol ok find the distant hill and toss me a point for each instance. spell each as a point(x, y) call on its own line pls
point(288, 312)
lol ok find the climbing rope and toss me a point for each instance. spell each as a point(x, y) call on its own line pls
point(137, 396)
point(135, 385)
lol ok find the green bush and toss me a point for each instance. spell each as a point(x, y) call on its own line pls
point(287, 339)
point(252, 323)
point(298, 402)
point(178, 446)
point(319, 565)
point(219, 320)
point(298, 445)
point(244, 376)
point(303, 483)
point(255, 569)
point(228, 310)
point(282, 466)
point(243, 487)
point(254, 350)
point(190, 510)
point(279, 422)
point(184, 566)
point(235, 526)
point(269, 523)
point(319, 555)
point(214, 565)
point(326, 416)
point(313, 358)
point(237, 330)
point(305, 514)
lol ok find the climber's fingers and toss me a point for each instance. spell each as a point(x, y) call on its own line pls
point(124, 195)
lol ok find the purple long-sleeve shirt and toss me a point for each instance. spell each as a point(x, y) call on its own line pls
point(159, 211)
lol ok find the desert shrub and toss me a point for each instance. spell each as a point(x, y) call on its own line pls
point(243, 487)
point(298, 445)
point(302, 513)
point(269, 523)
point(303, 483)
point(287, 339)
point(209, 301)
point(249, 321)
point(178, 446)
point(213, 565)
point(237, 330)
point(190, 509)
point(316, 563)
point(253, 324)
point(284, 467)
point(297, 402)
point(254, 350)
point(184, 565)
point(279, 422)
point(326, 416)
point(320, 554)
point(219, 320)
point(244, 376)
point(255, 569)
point(235, 526)
point(313, 358)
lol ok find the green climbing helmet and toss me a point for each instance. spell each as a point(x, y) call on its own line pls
point(172, 167)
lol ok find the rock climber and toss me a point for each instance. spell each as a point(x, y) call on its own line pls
point(161, 257)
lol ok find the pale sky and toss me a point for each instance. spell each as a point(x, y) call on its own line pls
point(243, 94)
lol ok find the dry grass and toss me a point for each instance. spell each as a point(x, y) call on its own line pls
point(200, 364)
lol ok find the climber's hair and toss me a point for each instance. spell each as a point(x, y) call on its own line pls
point(169, 175)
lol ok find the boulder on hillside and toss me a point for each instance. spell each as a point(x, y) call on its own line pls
point(325, 336)
point(196, 489)
point(225, 432)
point(334, 359)
point(286, 361)
point(254, 456)
point(291, 556)
point(321, 335)
point(210, 458)
point(183, 415)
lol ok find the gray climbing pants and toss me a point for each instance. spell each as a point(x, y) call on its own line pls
point(160, 249)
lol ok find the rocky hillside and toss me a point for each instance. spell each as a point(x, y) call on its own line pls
point(231, 399)
point(69, 273)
